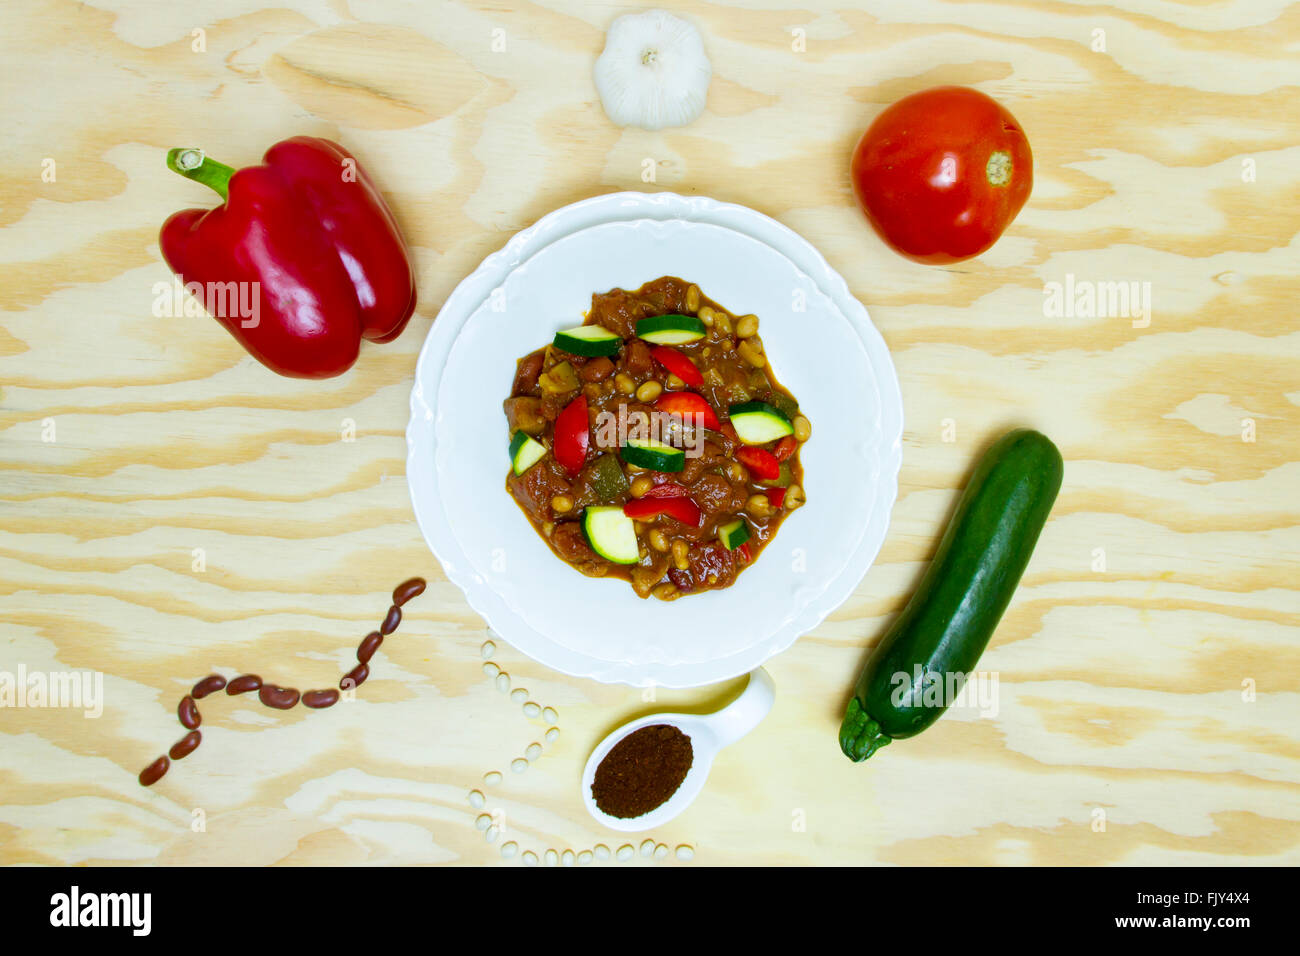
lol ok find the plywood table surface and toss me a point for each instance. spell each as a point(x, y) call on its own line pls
point(169, 508)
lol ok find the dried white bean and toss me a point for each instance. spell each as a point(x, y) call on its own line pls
point(476, 799)
point(552, 858)
point(488, 649)
point(529, 858)
point(491, 669)
point(647, 847)
point(492, 834)
point(503, 682)
point(531, 709)
point(602, 851)
point(483, 821)
point(685, 852)
point(549, 715)
point(492, 777)
point(567, 858)
point(553, 734)
point(509, 849)
point(533, 751)
point(625, 853)
point(519, 695)
point(519, 765)
point(584, 858)
point(661, 851)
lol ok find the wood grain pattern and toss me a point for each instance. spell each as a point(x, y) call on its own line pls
point(1165, 138)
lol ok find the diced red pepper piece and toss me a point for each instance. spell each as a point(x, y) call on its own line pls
point(683, 509)
point(785, 448)
point(687, 405)
point(572, 436)
point(776, 496)
point(744, 552)
point(678, 364)
point(666, 489)
point(761, 463)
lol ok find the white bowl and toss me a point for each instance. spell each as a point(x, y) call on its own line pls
point(821, 346)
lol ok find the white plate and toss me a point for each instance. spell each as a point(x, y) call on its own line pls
point(822, 346)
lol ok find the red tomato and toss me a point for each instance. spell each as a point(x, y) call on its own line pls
point(942, 172)
point(572, 435)
point(785, 448)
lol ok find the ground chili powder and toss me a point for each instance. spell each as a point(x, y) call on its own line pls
point(642, 771)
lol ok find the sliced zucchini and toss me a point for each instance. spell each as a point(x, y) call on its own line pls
point(611, 534)
point(590, 341)
point(733, 534)
point(654, 455)
point(525, 451)
point(758, 422)
point(671, 329)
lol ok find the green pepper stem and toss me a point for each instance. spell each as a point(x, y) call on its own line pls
point(860, 736)
point(192, 164)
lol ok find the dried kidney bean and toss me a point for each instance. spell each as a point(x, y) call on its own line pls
point(369, 644)
point(209, 685)
point(188, 713)
point(243, 684)
point(316, 699)
point(281, 698)
point(185, 746)
point(355, 677)
point(391, 620)
point(154, 772)
point(407, 590)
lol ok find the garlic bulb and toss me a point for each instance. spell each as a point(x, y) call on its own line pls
point(653, 72)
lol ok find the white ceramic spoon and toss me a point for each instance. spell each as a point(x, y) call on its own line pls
point(709, 733)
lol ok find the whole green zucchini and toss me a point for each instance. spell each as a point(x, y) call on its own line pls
point(949, 620)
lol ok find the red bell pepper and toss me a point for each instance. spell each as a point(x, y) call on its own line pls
point(761, 463)
point(307, 241)
point(785, 448)
point(775, 496)
point(678, 364)
point(688, 404)
point(683, 509)
point(572, 435)
point(666, 489)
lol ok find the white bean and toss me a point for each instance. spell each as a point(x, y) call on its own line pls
point(530, 858)
point(509, 849)
point(531, 709)
point(553, 734)
point(567, 858)
point(492, 834)
point(491, 777)
point(552, 858)
point(647, 847)
point(491, 669)
point(483, 821)
point(685, 852)
point(476, 799)
point(584, 858)
point(625, 853)
point(519, 695)
point(602, 851)
point(533, 751)
point(549, 715)
point(503, 682)
point(488, 649)
point(519, 765)
point(661, 851)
